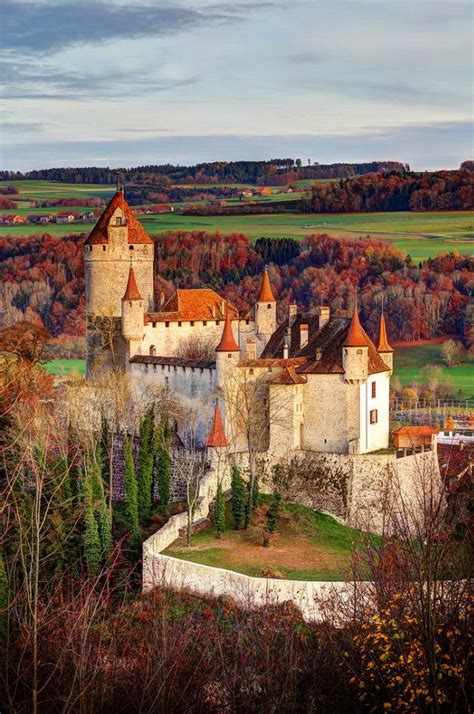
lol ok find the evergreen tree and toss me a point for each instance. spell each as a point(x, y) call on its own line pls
point(145, 466)
point(219, 511)
point(237, 498)
point(273, 513)
point(163, 465)
point(100, 510)
point(92, 546)
point(131, 494)
point(105, 451)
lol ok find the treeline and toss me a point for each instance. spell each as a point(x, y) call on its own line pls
point(274, 171)
point(43, 279)
point(409, 191)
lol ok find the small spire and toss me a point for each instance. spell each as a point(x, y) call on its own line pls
point(355, 336)
point(217, 435)
point(132, 292)
point(266, 294)
point(227, 343)
point(383, 344)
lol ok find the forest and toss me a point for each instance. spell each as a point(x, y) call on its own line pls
point(77, 634)
point(274, 172)
point(42, 279)
point(409, 191)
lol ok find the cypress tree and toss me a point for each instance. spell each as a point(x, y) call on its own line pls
point(145, 466)
point(237, 498)
point(163, 465)
point(92, 547)
point(219, 511)
point(273, 513)
point(97, 491)
point(131, 494)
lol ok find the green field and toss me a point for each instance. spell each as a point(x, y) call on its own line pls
point(409, 362)
point(421, 235)
point(42, 190)
point(308, 545)
point(64, 367)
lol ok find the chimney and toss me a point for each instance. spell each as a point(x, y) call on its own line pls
point(303, 335)
point(213, 311)
point(162, 300)
point(319, 354)
point(251, 348)
point(324, 315)
point(292, 313)
point(285, 351)
point(223, 310)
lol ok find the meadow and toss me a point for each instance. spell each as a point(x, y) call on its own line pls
point(410, 360)
point(308, 545)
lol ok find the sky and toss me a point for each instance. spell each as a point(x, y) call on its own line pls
point(89, 82)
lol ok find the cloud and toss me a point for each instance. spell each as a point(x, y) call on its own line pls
point(308, 57)
point(423, 146)
point(30, 80)
point(42, 27)
point(22, 127)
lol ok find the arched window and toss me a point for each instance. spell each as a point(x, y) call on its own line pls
point(152, 350)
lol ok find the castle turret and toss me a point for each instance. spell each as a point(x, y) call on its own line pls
point(383, 346)
point(227, 353)
point(355, 353)
point(115, 242)
point(132, 312)
point(217, 438)
point(265, 314)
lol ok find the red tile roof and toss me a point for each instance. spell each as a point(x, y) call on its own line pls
point(356, 336)
point(383, 344)
point(272, 362)
point(227, 343)
point(136, 232)
point(132, 292)
point(217, 435)
point(195, 304)
point(288, 376)
point(266, 294)
point(416, 430)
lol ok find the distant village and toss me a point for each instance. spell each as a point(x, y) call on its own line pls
point(91, 215)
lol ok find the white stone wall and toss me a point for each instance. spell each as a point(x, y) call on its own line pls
point(167, 339)
point(194, 386)
point(311, 597)
point(331, 417)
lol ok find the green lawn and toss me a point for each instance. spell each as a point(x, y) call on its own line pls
point(409, 362)
point(308, 545)
point(421, 235)
point(63, 367)
point(42, 190)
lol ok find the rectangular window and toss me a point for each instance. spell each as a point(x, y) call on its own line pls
point(204, 323)
point(192, 323)
point(373, 416)
point(167, 324)
point(374, 390)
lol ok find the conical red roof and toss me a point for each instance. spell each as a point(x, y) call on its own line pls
point(132, 292)
point(136, 233)
point(383, 344)
point(266, 294)
point(217, 435)
point(356, 336)
point(227, 343)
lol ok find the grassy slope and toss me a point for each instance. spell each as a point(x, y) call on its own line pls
point(410, 360)
point(308, 546)
point(63, 367)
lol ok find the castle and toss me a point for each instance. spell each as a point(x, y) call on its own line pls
point(330, 380)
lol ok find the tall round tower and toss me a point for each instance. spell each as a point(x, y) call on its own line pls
point(117, 242)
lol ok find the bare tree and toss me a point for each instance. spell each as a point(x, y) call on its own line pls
point(197, 347)
point(189, 468)
point(250, 410)
point(452, 352)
